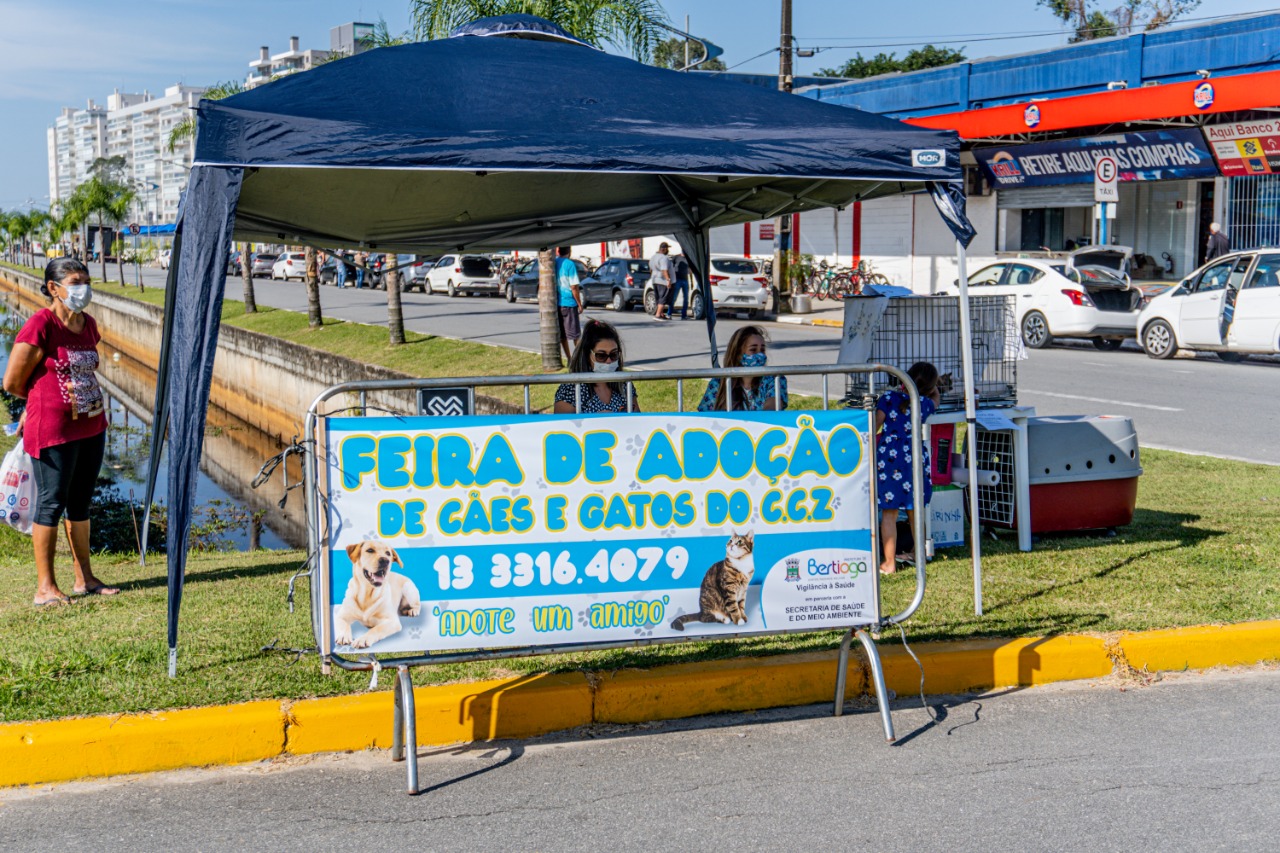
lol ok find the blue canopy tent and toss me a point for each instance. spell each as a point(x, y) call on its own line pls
point(511, 134)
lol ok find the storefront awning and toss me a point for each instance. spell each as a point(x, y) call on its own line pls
point(1240, 93)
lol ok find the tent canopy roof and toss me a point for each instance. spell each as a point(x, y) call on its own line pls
point(484, 143)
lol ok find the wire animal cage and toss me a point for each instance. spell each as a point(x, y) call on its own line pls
point(902, 331)
point(995, 453)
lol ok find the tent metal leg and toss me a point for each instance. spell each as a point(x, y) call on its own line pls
point(877, 678)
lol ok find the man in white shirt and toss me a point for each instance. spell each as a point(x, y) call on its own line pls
point(660, 270)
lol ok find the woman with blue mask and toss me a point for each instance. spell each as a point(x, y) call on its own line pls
point(757, 393)
point(53, 367)
point(598, 351)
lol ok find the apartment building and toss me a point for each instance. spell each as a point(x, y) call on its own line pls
point(136, 127)
point(268, 65)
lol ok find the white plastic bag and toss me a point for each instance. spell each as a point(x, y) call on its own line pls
point(17, 489)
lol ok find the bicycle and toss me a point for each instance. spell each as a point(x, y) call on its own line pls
point(831, 282)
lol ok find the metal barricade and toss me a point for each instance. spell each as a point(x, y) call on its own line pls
point(363, 398)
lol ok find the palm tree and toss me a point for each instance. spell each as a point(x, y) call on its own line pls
point(314, 319)
point(118, 210)
point(182, 133)
point(395, 314)
point(17, 225)
point(37, 222)
point(634, 26)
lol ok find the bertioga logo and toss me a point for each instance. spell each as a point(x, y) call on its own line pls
point(837, 567)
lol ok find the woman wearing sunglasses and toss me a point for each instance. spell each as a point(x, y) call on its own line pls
point(599, 351)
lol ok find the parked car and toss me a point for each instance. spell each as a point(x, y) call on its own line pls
point(523, 283)
point(290, 265)
point(1062, 297)
point(262, 264)
point(415, 275)
point(737, 284)
point(618, 282)
point(454, 274)
point(1230, 306)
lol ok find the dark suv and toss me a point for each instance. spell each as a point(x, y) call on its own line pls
point(618, 282)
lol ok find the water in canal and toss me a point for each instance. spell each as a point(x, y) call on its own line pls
point(233, 453)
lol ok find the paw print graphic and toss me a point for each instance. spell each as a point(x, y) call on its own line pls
point(835, 503)
point(667, 532)
point(415, 633)
point(583, 620)
point(644, 631)
point(633, 445)
point(635, 485)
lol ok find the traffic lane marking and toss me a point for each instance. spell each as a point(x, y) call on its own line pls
point(1102, 400)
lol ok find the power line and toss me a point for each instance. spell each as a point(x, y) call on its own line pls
point(971, 38)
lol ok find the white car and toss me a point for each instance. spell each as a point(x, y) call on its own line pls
point(454, 274)
point(1063, 298)
point(1230, 306)
point(737, 284)
point(290, 265)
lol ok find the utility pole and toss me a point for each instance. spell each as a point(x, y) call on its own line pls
point(780, 256)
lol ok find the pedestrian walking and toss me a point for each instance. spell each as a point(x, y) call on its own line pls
point(599, 351)
point(64, 425)
point(680, 290)
point(893, 456)
point(759, 393)
point(1218, 243)
point(569, 299)
point(661, 275)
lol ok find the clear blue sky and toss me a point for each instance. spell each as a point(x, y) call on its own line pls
point(61, 53)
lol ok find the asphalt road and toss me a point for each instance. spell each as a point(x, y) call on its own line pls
point(1191, 763)
point(1193, 404)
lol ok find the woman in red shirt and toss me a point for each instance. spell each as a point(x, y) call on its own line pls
point(64, 428)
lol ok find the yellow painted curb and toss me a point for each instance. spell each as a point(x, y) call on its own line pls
point(447, 713)
point(1202, 647)
point(687, 690)
point(59, 750)
point(981, 664)
point(834, 324)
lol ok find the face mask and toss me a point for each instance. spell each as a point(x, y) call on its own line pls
point(78, 297)
point(604, 366)
point(757, 359)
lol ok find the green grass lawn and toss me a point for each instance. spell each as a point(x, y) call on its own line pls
point(1202, 549)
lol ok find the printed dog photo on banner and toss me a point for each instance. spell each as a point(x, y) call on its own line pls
point(450, 533)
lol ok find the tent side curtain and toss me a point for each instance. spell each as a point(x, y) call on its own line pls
point(209, 210)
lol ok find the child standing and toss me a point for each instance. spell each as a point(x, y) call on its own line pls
point(893, 456)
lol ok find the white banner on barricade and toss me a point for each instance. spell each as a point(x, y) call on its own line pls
point(501, 531)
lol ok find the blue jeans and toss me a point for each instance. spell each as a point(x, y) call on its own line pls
point(681, 287)
point(341, 270)
point(359, 277)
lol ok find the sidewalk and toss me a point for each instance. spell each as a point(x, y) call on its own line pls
point(826, 312)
